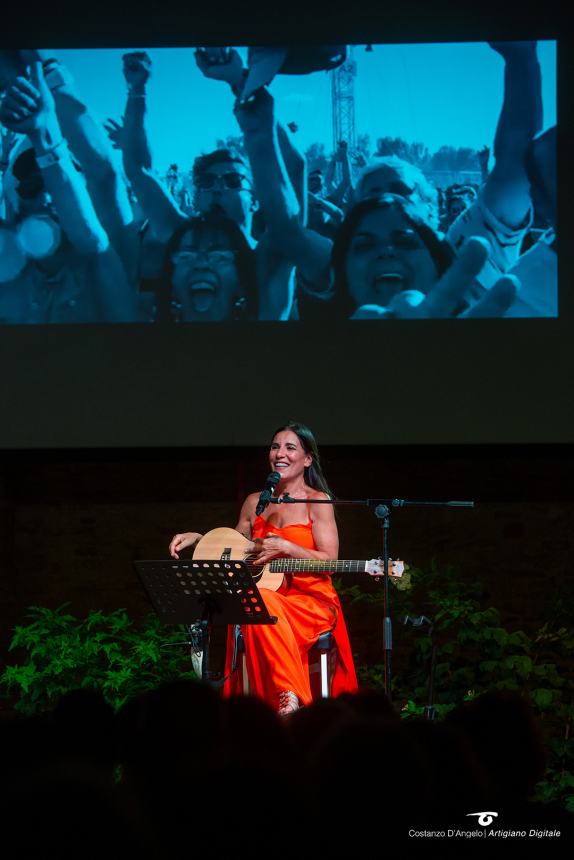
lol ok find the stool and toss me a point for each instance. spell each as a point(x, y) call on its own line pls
point(322, 659)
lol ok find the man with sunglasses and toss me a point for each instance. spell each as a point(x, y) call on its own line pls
point(223, 186)
point(222, 180)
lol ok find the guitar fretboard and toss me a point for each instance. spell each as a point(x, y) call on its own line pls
point(311, 565)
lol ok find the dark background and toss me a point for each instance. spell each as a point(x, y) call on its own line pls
point(115, 438)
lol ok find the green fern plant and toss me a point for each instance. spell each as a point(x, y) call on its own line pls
point(475, 653)
point(110, 653)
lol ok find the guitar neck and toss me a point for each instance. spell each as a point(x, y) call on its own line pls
point(313, 565)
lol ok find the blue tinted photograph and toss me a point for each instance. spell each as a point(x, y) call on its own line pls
point(312, 184)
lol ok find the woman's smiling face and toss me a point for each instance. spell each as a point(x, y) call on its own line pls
point(205, 281)
point(287, 455)
point(387, 256)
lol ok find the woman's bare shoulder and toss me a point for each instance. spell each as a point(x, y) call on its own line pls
point(317, 494)
point(252, 499)
point(320, 512)
point(249, 505)
point(247, 514)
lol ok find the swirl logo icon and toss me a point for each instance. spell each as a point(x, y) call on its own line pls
point(484, 818)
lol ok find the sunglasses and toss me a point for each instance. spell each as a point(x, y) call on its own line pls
point(188, 258)
point(232, 181)
point(404, 240)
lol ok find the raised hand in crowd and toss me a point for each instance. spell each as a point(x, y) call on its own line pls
point(221, 64)
point(28, 108)
point(90, 147)
point(137, 70)
point(115, 132)
point(136, 149)
point(274, 269)
point(345, 188)
point(8, 140)
point(225, 64)
point(323, 215)
point(444, 299)
point(507, 189)
point(283, 211)
point(503, 212)
point(154, 198)
point(99, 286)
point(14, 63)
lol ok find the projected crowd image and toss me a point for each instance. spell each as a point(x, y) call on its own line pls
point(325, 183)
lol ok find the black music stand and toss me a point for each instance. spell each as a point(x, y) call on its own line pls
point(210, 592)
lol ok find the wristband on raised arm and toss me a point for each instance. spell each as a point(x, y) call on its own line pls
point(237, 88)
point(52, 155)
point(56, 75)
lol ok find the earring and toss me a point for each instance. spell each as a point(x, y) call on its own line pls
point(240, 308)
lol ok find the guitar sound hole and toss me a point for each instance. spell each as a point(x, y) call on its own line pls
point(254, 570)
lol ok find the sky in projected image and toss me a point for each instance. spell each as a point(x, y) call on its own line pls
point(436, 94)
point(413, 218)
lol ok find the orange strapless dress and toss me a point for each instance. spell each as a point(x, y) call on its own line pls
point(277, 654)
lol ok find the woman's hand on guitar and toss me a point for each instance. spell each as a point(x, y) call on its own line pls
point(182, 541)
point(270, 547)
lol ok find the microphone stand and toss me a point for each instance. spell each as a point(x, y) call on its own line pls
point(382, 510)
point(422, 620)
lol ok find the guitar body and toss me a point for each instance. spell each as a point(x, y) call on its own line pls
point(229, 543)
point(221, 544)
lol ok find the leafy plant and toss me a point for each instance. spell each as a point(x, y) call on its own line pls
point(109, 653)
point(474, 653)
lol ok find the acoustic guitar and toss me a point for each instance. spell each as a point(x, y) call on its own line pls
point(224, 544)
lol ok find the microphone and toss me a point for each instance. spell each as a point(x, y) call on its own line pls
point(265, 497)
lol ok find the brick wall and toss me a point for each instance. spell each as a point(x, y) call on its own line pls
point(72, 523)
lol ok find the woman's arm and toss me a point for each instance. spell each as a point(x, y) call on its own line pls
point(507, 190)
point(281, 209)
point(90, 145)
point(225, 64)
point(28, 108)
point(154, 198)
point(247, 515)
point(182, 541)
point(346, 185)
point(337, 215)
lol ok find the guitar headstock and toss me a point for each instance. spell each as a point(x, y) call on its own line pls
point(375, 567)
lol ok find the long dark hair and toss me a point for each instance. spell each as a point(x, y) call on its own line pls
point(314, 476)
point(246, 304)
point(437, 247)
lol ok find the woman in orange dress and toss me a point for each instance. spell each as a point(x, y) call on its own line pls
point(306, 605)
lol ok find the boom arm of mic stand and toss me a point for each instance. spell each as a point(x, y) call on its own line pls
point(382, 512)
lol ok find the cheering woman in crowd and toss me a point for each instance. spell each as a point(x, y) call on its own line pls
point(306, 605)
